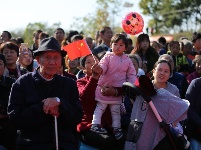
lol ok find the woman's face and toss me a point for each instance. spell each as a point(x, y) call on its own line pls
point(144, 45)
point(10, 55)
point(26, 59)
point(161, 73)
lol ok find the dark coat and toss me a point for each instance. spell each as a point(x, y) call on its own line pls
point(193, 94)
point(37, 128)
point(7, 132)
point(151, 56)
point(5, 87)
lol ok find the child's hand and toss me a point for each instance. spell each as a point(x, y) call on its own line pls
point(97, 69)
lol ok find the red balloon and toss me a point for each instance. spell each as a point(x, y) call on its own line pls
point(133, 23)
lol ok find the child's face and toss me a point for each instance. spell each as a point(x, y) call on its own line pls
point(88, 64)
point(118, 48)
point(175, 49)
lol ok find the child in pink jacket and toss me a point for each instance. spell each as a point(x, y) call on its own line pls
point(114, 68)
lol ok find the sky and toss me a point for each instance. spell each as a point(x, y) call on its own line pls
point(16, 14)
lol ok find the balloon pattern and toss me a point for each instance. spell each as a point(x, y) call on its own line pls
point(133, 23)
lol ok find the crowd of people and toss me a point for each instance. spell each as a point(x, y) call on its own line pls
point(48, 101)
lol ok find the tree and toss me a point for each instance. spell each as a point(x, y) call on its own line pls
point(105, 15)
point(172, 14)
point(31, 27)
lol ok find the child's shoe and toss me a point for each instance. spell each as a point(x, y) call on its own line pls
point(97, 128)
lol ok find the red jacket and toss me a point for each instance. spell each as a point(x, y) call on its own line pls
point(86, 87)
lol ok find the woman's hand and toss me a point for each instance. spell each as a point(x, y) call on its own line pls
point(108, 90)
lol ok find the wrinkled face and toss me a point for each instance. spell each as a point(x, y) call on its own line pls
point(161, 73)
point(26, 59)
point(144, 45)
point(175, 48)
point(197, 44)
point(1, 68)
point(10, 55)
point(59, 35)
point(118, 48)
point(50, 63)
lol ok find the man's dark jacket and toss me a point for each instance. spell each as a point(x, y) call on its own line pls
point(37, 128)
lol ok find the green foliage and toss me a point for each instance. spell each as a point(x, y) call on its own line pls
point(31, 27)
point(104, 15)
point(172, 14)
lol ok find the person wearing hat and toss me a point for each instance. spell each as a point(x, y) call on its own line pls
point(38, 97)
point(7, 132)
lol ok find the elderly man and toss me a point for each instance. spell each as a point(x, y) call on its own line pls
point(36, 98)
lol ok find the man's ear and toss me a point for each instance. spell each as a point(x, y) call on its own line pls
point(37, 59)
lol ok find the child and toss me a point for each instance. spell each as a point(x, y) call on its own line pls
point(180, 61)
point(114, 68)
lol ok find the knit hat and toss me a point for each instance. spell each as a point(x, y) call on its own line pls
point(49, 44)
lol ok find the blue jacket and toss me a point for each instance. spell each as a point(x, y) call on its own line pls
point(37, 128)
point(180, 81)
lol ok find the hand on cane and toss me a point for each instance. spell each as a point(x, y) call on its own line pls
point(51, 106)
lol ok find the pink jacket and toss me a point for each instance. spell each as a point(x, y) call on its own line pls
point(116, 71)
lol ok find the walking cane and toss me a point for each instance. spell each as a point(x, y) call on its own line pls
point(132, 89)
point(56, 132)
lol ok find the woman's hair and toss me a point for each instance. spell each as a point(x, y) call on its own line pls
point(118, 37)
point(9, 45)
point(140, 38)
point(163, 61)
